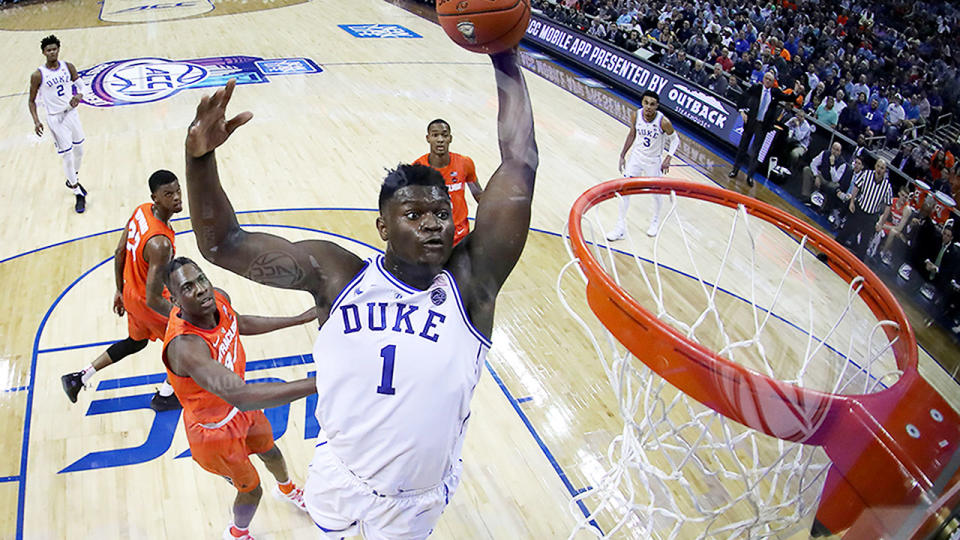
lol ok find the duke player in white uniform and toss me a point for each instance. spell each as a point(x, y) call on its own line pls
point(650, 133)
point(405, 333)
point(55, 82)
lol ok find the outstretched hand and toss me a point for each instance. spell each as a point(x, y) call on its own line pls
point(210, 127)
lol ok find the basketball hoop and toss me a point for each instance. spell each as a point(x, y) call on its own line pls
point(709, 401)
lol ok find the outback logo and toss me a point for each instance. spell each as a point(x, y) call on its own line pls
point(467, 30)
point(703, 108)
point(144, 80)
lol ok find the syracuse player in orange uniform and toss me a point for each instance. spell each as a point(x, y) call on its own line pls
point(145, 247)
point(221, 413)
point(458, 172)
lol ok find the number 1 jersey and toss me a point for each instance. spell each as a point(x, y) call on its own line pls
point(396, 369)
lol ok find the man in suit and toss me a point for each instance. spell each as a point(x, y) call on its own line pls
point(757, 107)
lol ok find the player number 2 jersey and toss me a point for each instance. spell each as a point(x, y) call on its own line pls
point(396, 369)
point(647, 148)
point(56, 88)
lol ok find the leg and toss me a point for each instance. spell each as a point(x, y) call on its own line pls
point(621, 227)
point(655, 220)
point(260, 441)
point(76, 137)
point(245, 506)
point(74, 382)
point(742, 149)
point(273, 460)
point(752, 156)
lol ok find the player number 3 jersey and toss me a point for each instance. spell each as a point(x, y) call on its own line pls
point(647, 148)
point(396, 369)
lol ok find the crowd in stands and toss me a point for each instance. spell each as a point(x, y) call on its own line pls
point(891, 65)
point(876, 71)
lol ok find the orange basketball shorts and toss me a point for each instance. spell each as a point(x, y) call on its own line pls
point(225, 450)
point(143, 322)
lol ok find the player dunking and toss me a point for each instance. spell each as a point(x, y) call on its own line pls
point(206, 363)
point(404, 345)
point(55, 82)
point(146, 245)
point(458, 172)
point(650, 134)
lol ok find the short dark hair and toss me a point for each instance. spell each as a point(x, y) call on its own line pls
point(650, 93)
point(409, 175)
point(49, 40)
point(159, 178)
point(437, 121)
point(172, 267)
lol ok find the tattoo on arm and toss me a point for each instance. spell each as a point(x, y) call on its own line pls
point(275, 268)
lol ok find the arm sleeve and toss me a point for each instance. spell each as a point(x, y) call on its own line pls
point(673, 142)
point(80, 86)
point(815, 164)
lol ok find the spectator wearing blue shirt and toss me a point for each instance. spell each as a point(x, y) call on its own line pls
point(741, 45)
point(850, 120)
point(873, 118)
point(757, 74)
point(911, 110)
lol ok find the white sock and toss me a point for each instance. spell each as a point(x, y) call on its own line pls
point(77, 156)
point(624, 206)
point(69, 169)
point(87, 374)
point(166, 390)
point(657, 204)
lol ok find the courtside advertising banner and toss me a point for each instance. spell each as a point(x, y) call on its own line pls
point(677, 95)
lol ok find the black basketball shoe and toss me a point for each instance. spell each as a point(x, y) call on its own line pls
point(72, 384)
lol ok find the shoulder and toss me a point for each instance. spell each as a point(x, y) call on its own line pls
point(665, 123)
point(183, 348)
point(467, 161)
point(225, 297)
point(422, 160)
point(158, 250)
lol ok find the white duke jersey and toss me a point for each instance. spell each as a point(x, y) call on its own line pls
point(396, 369)
point(647, 148)
point(56, 88)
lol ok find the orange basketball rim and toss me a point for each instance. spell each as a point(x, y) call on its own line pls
point(890, 463)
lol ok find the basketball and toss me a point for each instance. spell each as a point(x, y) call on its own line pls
point(484, 26)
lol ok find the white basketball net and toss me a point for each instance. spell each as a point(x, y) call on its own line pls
point(679, 469)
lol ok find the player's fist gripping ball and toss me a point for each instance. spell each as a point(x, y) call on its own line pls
point(484, 26)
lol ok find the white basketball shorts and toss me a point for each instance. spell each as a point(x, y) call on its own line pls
point(342, 505)
point(66, 129)
point(642, 170)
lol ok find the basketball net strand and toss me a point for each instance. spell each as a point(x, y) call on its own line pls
point(679, 469)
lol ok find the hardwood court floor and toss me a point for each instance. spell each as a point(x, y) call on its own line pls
point(308, 165)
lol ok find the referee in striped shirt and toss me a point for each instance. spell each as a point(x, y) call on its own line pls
point(869, 208)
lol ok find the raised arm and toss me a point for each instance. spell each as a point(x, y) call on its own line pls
point(35, 81)
point(503, 215)
point(317, 266)
point(158, 252)
point(188, 356)
point(250, 325)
